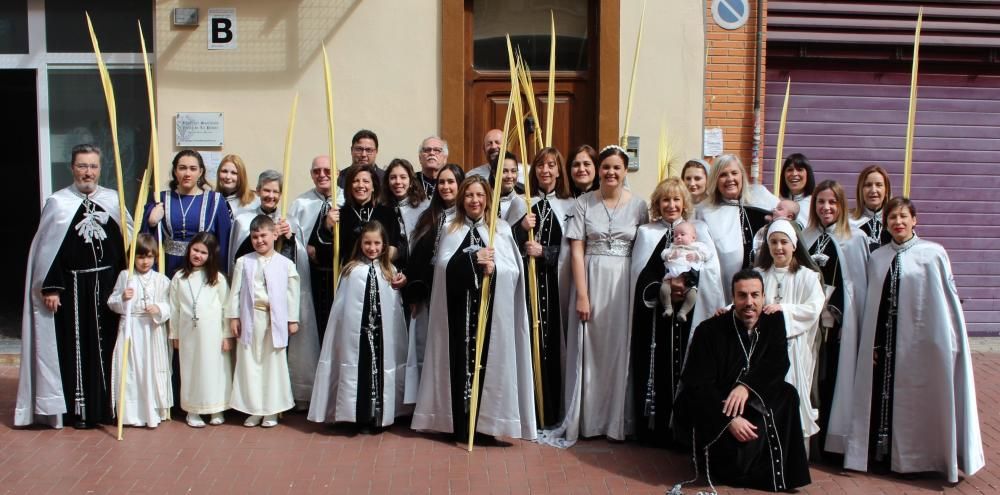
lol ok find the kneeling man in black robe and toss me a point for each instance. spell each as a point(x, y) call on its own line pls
point(734, 403)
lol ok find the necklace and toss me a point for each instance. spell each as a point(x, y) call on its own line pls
point(613, 212)
point(819, 249)
point(146, 292)
point(781, 284)
point(184, 213)
point(747, 353)
point(194, 300)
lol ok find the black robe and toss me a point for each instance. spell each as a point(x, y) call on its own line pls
point(465, 279)
point(656, 366)
point(352, 219)
point(371, 383)
point(549, 235)
point(84, 273)
point(880, 429)
point(754, 220)
point(829, 345)
point(321, 270)
point(877, 234)
point(429, 184)
point(717, 362)
point(419, 269)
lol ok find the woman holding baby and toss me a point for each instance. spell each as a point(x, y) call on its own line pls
point(662, 318)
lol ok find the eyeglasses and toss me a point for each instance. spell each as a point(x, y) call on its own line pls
point(364, 151)
point(429, 150)
point(320, 171)
point(86, 166)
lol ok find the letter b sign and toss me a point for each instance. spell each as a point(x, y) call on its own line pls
point(221, 29)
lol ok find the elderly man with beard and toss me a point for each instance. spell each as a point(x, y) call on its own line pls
point(734, 404)
point(67, 330)
point(433, 154)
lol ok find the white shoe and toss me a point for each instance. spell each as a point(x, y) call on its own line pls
point(217, 419)
point(195, 421)
point(270, 421)
point(252, 421)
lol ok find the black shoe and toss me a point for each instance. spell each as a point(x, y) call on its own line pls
point(83, 425)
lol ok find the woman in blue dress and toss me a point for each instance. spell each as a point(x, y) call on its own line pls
point(189, 207)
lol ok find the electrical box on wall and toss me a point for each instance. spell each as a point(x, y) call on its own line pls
point(186, 16)
point(632, 150)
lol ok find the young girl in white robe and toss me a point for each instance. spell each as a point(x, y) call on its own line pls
point(142, 301)
point(197, 294)
point(362, 367)
point(793, 286)
point(263, 311)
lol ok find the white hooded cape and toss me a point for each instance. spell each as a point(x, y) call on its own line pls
point(935, 423)
point(507, 403)
point(335, 391)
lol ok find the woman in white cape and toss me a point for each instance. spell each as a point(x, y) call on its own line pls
point(506, 395)
point(914, 361)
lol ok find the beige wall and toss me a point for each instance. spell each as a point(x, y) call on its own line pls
point(386, 77)
point(384, 59)
point(669, 84)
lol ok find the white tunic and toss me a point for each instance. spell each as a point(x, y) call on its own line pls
point(335, 394)
point(507, 403)
point(261, 383)
point(802, 301)
point(148, 392)
point(935, 423)
point(206, 370)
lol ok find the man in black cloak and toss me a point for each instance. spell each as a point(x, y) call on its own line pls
point(734, 403)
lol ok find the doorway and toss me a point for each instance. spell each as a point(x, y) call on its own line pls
point(476, 80)
point(17, 230)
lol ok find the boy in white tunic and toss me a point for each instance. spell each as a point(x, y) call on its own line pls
point(263, 310)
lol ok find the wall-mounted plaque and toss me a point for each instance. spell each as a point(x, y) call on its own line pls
point(199, 129)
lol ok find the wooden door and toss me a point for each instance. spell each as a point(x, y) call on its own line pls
point(488, 79)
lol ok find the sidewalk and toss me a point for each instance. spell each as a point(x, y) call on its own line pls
point(302, 457)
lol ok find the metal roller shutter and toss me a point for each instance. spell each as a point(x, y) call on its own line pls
point(844, 120)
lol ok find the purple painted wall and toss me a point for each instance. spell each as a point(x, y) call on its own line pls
point(845, 120)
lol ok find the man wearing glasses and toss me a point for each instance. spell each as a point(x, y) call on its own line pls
point(433, 154)
point(364, 151)
point(68, 331)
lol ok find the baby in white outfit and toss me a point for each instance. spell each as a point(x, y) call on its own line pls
point(684, 258)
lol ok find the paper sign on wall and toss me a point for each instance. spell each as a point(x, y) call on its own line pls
point(713, 142)
point(221, 29)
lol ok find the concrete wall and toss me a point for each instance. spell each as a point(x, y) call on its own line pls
point(669, 85)
point(384, 57)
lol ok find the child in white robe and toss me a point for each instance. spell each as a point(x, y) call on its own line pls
point(198, 330)
point(794, 287)
point(142, 300)
point(263, 311)
point(362, 367)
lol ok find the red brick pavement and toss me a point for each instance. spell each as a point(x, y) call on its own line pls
point(302, 457)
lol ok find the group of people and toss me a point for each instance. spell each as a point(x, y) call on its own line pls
point(752, 329)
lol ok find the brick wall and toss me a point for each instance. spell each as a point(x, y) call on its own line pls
point(729, 82)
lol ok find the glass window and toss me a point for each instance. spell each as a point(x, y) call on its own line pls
point(14, 26)
point(78, 114)
point(114, 22)
point(529, 25)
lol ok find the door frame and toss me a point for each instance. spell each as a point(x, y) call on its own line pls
point(456, 59)
point(41, 61)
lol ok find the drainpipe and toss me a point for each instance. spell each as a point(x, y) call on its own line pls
point(755, 163)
